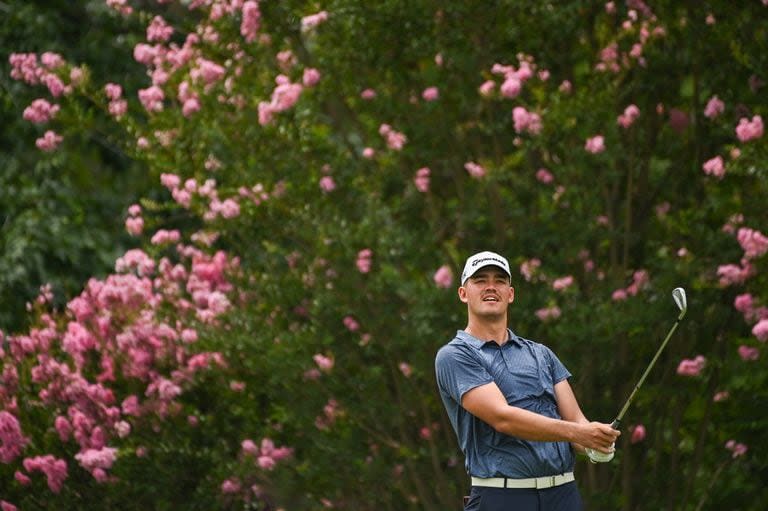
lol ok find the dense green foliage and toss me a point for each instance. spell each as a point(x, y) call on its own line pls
point(369, 432)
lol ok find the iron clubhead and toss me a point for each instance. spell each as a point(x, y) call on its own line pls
point(678, 294)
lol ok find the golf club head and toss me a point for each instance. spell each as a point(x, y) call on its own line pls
point(678, 294)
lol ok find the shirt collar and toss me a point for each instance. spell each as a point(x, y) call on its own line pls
point(476, 343)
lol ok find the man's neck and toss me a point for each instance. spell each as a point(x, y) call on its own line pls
point(488, 332)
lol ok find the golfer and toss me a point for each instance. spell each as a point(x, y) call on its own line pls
point(508, 399)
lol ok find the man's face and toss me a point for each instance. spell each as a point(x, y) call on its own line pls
point(487, 293)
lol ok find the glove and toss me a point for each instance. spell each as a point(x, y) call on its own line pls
point(599, 457)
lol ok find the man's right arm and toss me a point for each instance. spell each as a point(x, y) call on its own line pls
point(487, 403)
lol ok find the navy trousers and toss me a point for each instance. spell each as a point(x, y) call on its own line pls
point(565, 497)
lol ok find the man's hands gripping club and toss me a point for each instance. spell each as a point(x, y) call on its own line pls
point(487, 403)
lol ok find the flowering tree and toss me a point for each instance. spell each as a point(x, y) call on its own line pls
point(321, 173)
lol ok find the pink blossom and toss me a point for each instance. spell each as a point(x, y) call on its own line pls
point(486, 89)
point(190, 106)
point(324, 363)
point(134, 225)
point(152, 98)
point(565, 87)
point(368, 153)
point(55, 470)
point(526, 121)
point(754, 243)
point(691, 367)
point(7, 506)
point(158, 30)
point(760, 330)
point(395, 140)
point(118, 108)
point(208, 70)
point(12, 442)
point(368, 94)
point(475, 170)
point(49, 141)
point(40, 111)
point(313, 20)
point(55, 85)
point(425, 433)
point(327, 184)
point(730, 274)
point(749, 130)
point(544, 176)
point(92, 459)
point(714, 107)
point(748, 352)
point(548, 313)
point(638, 434)
point(721, 396)
point(351, 323)
point(511, 86)
point(714, 167)
point(744, 303)
point(113, 91)
point(162, 237)
point(595, 144)
point(631, 113)
point(563, 283)
point(311, 77)
point(421, 179)
point(430, 94)
point(230, 486)
point(528, 268)
point(266, 462)
point(363, 262)
point(405, 368)
point(443, 277)
point(737, 449)
point(251, 21)
point(144, 53)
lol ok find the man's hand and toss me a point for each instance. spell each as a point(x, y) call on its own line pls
point(598, 457)
point(596, 436)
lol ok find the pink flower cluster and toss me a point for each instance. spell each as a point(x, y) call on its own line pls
point(25, 68)
point(514, 78)
point(737, 449)
point(754, 243)
point(612, 58)
point(266, 454)
point(421, 179)
point(638, 434)
point(251, 22)
point(475, 170)
point(324, 363)
point(49, 141)
point(529, 269)
point(313, 20)
point(525, 121)
point(748, 352)
point(595, 145)
point(40, 111)
point(631, 113)
point(714, 167)
point(691, 367)
point(563, 283)
point(443, 277)
point(548, 313)
point(12, 441)
point(284, 96)
point(714, 108)
point(749, 130)
point(216, 207)
point(640, 279)
point(363, 262)
point(430, 94)
point(117, 106)
point(134, 224)
point(331, 411)
point(395, 140)
point(55, 470)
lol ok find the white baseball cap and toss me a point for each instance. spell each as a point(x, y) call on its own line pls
point(482, 259)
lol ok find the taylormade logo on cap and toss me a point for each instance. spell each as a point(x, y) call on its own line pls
point(481, 259)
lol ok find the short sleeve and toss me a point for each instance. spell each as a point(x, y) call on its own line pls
point(458, 372)
point(559, 371)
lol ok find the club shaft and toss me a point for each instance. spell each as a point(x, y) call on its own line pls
point(645, 374)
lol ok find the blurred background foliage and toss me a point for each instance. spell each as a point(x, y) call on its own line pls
point(642, 204)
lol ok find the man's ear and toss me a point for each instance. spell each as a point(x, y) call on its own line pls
point(463, 294)
point(511, 294)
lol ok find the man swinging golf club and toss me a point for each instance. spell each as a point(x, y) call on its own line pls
point(509, 402)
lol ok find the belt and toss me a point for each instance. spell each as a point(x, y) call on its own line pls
point(533, 482)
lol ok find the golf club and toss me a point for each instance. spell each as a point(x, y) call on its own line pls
point(678, 295)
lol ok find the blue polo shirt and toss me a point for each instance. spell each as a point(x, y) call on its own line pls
point(526, 372)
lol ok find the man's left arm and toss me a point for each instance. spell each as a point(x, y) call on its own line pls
point(568, 407)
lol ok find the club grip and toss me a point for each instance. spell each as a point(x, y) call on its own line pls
point(616, 424)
